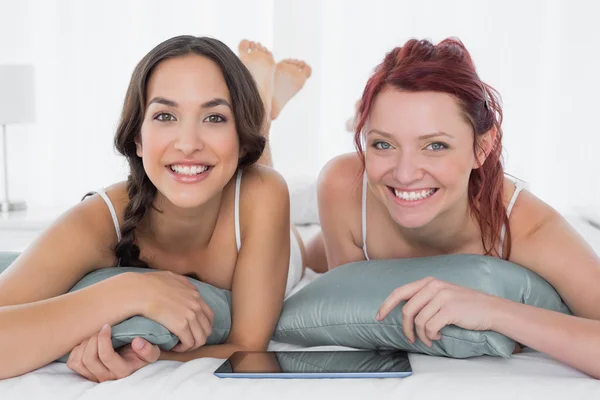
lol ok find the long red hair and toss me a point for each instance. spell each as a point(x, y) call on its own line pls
point(447, 67)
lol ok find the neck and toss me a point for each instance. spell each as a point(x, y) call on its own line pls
point(179, 229)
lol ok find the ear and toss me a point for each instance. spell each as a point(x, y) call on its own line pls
point(484, 146)
point(138, 146)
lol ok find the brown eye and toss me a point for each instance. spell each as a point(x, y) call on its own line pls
point(214, 119)
point(164, 117)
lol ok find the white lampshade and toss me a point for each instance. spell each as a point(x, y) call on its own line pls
point(17, 101)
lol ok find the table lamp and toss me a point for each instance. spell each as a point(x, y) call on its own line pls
point(17, 106)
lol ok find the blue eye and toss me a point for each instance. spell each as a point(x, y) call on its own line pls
point(165, 117)
point(214, 119)
point(382, 145)
point(437, 146)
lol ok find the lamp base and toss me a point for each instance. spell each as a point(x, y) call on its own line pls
point(6, 207)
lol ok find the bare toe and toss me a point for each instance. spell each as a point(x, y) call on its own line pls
point(290, 76)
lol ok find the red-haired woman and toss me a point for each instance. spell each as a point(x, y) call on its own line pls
point(427, 179)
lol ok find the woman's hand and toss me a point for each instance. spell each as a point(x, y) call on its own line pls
point(171, 300)
point(432, 304)
point(96, 360)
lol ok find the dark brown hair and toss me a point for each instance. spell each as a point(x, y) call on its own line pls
point(248, 111)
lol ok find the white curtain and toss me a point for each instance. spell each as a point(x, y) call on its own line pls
point(541, 56)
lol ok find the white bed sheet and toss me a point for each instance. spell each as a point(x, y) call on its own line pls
point(529, 375)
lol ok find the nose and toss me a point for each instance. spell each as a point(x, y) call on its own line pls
point(408, 169)
point(189, 139)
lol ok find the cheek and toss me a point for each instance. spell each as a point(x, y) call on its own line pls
point(152, 143)
point(455, 170)
point(226, 145)
point(377, 166)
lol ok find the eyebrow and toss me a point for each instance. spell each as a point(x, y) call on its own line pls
point(423, 137)
point(209, 104)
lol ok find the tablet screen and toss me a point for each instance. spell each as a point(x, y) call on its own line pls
point(307, 364)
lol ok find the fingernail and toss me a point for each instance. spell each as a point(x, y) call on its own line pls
point(378, 317)
point(139, 344)
point(106, 327)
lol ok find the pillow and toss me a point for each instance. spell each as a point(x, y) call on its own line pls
point(339, 307)
point(7, 258)
point(219, 300)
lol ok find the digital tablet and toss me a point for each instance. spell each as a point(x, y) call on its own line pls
point(316, 364)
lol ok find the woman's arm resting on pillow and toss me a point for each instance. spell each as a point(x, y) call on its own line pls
point(39, 321)
point(572, 340)
point(432, 304)
point(260, 275)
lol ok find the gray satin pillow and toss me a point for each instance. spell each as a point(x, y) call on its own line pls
point(339, 307)
point(219, 300)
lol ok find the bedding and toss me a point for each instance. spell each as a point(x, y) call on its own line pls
point(528, 375)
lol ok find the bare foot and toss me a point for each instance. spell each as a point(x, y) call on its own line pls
point(261, 64)
point(290, 76)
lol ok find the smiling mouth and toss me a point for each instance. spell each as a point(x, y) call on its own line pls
point(189, 170)
point(413, 195)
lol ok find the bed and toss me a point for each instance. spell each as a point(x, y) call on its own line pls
point(529, 375)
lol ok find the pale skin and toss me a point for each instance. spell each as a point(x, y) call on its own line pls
point(406, 150)
point(188, 119)
point(277, 83)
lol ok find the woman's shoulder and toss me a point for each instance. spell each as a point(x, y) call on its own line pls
point(341, 178)
point(117, 195)
point(94, 212)
point(264, 198)
point(262, 179)
point(528, 212)
point(89, 224)
point(263, 185)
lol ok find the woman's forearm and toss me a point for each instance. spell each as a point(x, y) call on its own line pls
point(34, 334)
point(572, 340)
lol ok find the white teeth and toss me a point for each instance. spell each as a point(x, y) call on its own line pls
point(187, 170)
point(414, 195)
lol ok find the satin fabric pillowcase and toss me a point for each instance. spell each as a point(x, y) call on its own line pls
point(339, 307)
point(219, 300)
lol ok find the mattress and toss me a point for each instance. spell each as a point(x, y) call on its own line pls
point(529, 375)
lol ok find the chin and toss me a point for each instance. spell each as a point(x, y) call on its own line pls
point(187, 200)
point(411, 221)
